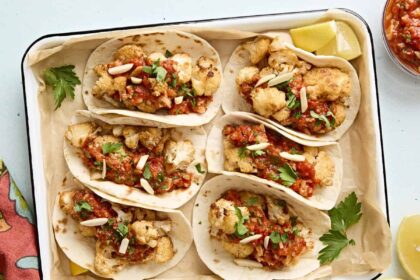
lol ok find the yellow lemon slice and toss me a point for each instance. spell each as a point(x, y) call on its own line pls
point(76, 269)
point(315, 36)
point(408, 245)
point(345, 43)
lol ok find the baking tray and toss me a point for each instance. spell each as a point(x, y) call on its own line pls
point(255, 23)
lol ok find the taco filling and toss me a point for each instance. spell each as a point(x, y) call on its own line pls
point(281, 86)
point(252, 149)
point(169, 82)
point(124, 235)
point(258, 230)
point(140, 157)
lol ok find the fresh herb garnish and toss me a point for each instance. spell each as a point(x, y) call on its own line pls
point(199, 170)
point(146, 173)
point(281, 203)
point(110, 147)
point(241, 229)
point(287, 175)
point(174, 81)
point(293, 220)
point(324, 119)
point(344, 215)
point(283, 85)
point(297, 114)
point(242, 152)
point(257, 153)
point(293, 151)
point(63, 81)
point(252, 200)
point(155, 70)
point(164, 187)
point(160, 73)
point(82, 206)
point(168, 54)
point(275, 237)
point(160, 177)
point(292, 103)
point(284, 237)
point(122, 230)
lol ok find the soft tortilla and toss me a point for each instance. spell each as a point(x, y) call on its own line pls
point(173, 40)
point(324, 198)
point(233, 101)
point(171, 200)
point(81, 250)
point(221, 262)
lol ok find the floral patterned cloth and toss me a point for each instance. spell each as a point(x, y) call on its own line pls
point(18, 250)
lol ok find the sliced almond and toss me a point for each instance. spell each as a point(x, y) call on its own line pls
point(178, 99)
point(120, 69)
point(248, 263)
point(266, 241)
point(94, 222)
point(117, 130)
point(142, 162)
point(123, 246)
point(303, 100)
point(280, 79)
point(265, 79)
point(146, 186)
point(103, 169)
point(136, 80)
point(250, 238)
point(260, 146)
point(291, 157)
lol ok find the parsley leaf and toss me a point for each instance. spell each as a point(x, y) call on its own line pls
point(275, 237)
point(82, 206)
point(242, 152)
point(287, 175)
point(161, 177)
point(336, 242)
point(257, 153)
point(146, 173)
point(241, 229)
point(160, 73)
point(122, 230)
point(168, 54)
point(155, 70)
point(63, 81)
point(147, 69)
point(294, 151)
point(292, 103)
point(252, 200)
point(174, 81)
point(199, 170)
point(324, 119)
point(284, 237)
point(110, 147)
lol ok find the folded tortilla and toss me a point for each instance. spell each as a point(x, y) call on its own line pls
point(221, 262)
point(323, 198)
point(158, 41)
point(172, 200)
point(233, 101)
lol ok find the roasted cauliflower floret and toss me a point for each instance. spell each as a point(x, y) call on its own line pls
point(246, 75)
point(76, 134)
point(233, 160)
point(119, 85)
point(147, 106)
point(179, 154)
point(282, 115)
point(205, 77)
point(164, 250)
point(339, 113)
point(310, 153)
point(238, 250)
point(145, 233)
point(277, 44)
point(66, 202)
point(222, 217)
point(105, 139)
point(267, 101)
point(156, 56)
point(327, 83)
point(104, 263)
point(267, 71)
point(150, 137)
point(128, 52)
point(283, 60)
point(131, 137)
point(183, 67)
point(144, 214)
point(324, 169)
point(257, 49)
point(105, 83)
point(276, 210)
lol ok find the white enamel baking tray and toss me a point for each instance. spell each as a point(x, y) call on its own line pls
point(255, 23)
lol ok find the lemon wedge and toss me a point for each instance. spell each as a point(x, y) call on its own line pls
point(76, 269)
point(408, 245)
point(345, 43)
point(315, 36)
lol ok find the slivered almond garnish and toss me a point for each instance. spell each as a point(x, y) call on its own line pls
point(123, 246)
point(146, 186)
point(303, 100)
point(291, 157)
point(103, 169)
point(280, 79)
point(120, 69)
point(94, 222)
point(256, 147)
point(142, 161)
point(136, 80)
point(178, 99)
point(266, 241)
point(250, 238)
point(247, 263)
point(265, 79)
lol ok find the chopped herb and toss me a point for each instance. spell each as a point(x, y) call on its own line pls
point(252, 200)
point(295, 231)
point(122, 230)
point(281, 203)
point(275, 237)
point(322, 118)
point(193, 102)
point(147, 69)
point(161, 177)
point(1, 215)
point(242, 152)
point(97, 163)
point(111, 221)
point(297, 114)
point(292, 103)
point(155, 70)
point(110, 147)
point(293, 151)
point(284, 237)
point(63, 81)
point(82, 206)
point(257, 153)
point(164, 187)
point(199, 170)
point(284, 85)
point(174, 81)
point(168, 54)
point(241, 229)
point(146, 173)
point(293, 220)
point(160, 73)
point(287, 175)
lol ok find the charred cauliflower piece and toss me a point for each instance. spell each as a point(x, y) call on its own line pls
point(76, 134)
point(324, 169)
point(105, 83)
point(179, 154)
point(156, 56)
point(267, 101)
point(164, 250)
point(131, 137)
point(257, 49)
point(104, 263)
point(151, 137)
point(238, 250)
point(183, 67)
point(144, 214)
point(246, 75)
point(283, 60)
point(128, 52)
point(222, 216)
point(145, 233)
point(205, 77)
point(327, 83)
point(66, 202)
point(282, 115)
point(101, 140)
point(233, 160)
point(339, 113)
point(276, 211)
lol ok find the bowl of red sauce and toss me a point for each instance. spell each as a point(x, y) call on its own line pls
point(401, 33)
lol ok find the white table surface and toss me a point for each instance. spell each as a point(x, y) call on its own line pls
point(21, 22)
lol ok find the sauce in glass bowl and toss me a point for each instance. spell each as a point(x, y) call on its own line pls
point(402, 32)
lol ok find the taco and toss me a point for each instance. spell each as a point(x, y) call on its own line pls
point(246, 230)
point(157, 167)
point(167, 77)
point(242, 145)
point(313, 97)
point(118, 241)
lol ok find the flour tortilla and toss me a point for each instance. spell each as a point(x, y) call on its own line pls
point(221, 262)
point(324, 198)
point(233, 101)
point(157, 41)
point(171, 200)
point(81, 250)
